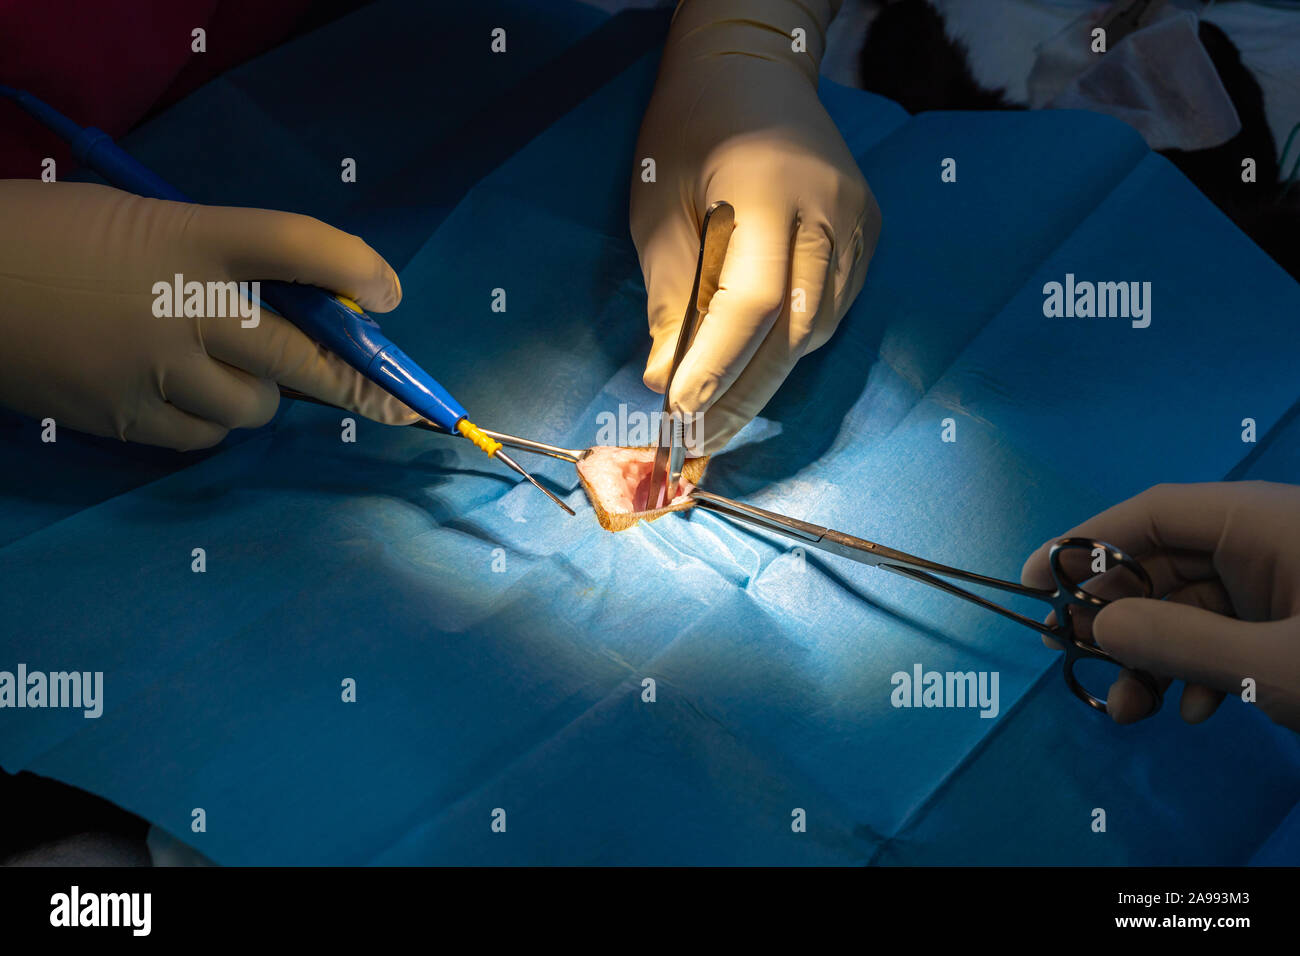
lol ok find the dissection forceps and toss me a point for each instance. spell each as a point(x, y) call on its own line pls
point(715, 236)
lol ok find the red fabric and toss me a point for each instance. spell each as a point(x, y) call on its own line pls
point(107, 63)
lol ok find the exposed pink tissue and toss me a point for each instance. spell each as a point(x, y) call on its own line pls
point(619, 476)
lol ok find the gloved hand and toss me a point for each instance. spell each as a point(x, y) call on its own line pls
point(735, 116)
point(79, 341)
point(1225, 558)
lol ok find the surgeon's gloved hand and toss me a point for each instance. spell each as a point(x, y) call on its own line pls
point(1225, 559)
point(80, 343)
point(735, 116)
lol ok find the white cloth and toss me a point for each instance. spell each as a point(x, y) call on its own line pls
point(1158, 79)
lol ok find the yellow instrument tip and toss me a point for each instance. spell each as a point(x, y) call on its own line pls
point(475, 434)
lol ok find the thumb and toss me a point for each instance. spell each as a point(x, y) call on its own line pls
point(268, 244)
point(1182, 641)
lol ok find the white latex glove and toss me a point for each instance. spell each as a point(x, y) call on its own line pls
point(79, 341)
point(735, 116)
point(1225, 558)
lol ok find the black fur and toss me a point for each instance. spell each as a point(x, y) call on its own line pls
point(908, 56)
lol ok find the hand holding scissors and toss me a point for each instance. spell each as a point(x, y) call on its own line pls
point(1089, 683)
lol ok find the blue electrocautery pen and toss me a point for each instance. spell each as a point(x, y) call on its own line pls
point(333, 321)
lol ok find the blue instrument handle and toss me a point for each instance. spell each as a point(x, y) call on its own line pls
point(349, 332)
point(335, 323)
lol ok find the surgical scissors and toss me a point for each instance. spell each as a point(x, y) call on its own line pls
point(1067, 594)
point(670, 453)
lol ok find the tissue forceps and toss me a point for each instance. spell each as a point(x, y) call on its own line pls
point(571, 455)
point(715, 236)
point(494, 436)
point(1068, 592)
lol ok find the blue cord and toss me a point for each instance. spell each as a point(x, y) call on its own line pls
point(80, 139)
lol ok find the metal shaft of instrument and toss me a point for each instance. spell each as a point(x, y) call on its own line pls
point(512, 464)
point(715, 236)
point(562, 453)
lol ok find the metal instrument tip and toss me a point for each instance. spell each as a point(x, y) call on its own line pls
point(514, 466)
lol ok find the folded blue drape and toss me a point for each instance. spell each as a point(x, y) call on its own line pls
point(500, 648)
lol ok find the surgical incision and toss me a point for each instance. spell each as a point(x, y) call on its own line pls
point(615, 478)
